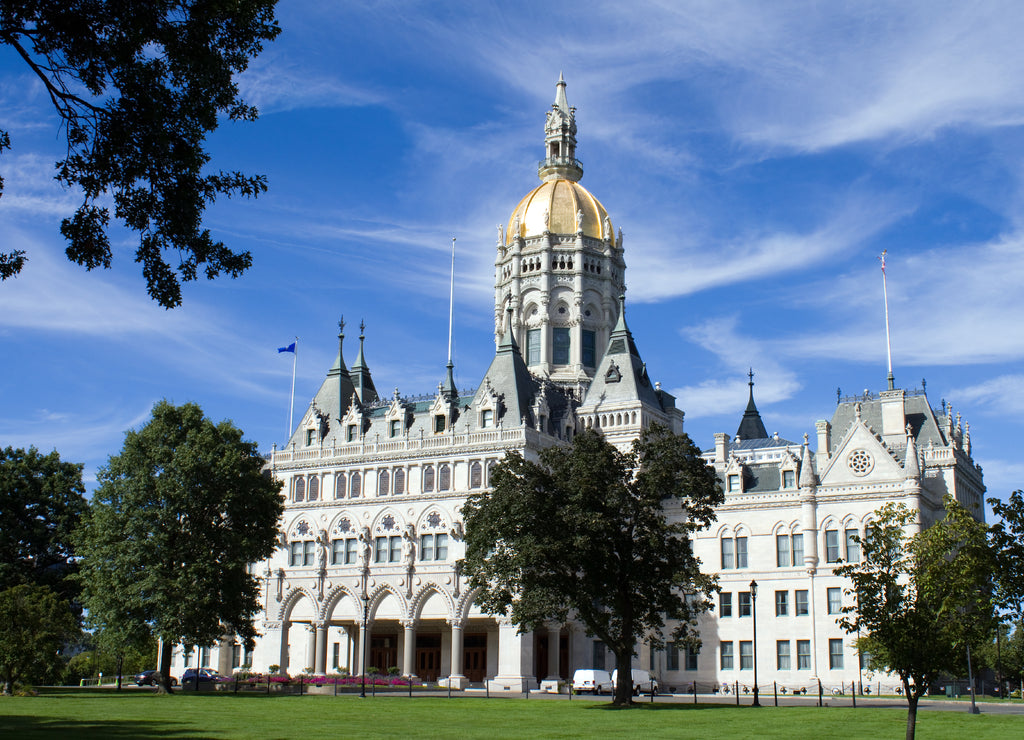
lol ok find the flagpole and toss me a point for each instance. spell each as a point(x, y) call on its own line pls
point(888, 342)
point(291, 401)
point(451, 303)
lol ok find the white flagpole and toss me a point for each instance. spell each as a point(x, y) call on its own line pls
point(888, 342)
point(291, 401)
point(451, 303)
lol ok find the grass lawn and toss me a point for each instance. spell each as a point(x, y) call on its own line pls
point(137, 714)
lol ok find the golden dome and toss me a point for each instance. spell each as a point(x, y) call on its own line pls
point(559, 201)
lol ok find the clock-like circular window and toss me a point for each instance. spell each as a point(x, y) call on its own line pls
point(859, 462)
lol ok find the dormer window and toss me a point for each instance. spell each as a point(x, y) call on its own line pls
point(789, 479)
point(396, 427)
point(439, 422)
point(486, 418)
point(310, 437)
point(351, 432)
point(733, 482)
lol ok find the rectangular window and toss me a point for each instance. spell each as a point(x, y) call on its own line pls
point(336, 655)
point(831, 545)
point(728, 553)
point(396, 427)
point(296, 559)
point(427, 547)
point(803, 655)
point(782, 558)
point(725, 604)
point(734, 483)
point(589, 348)
point(533, 347)
point(560, 346)
point(381, 549)
point(438, 423)
point(236, 655)
point(204, 660)
point(782, 603)
point(852, 546)
point(727, 656)
point(691, 659)
point(337, 552)
point(746, 655)
point(351, 432)
point(441, 547)
point(789, 479)
point(798, 550)
point(350, 550)
point(248, 659)
point(835, 600)
point(782, 655)
point(835, 655)
point(741, 552)
point(310, 437)
point(800, 603)
point(672, 658)
point(396, 549)
point(487, 418)
point(744, 603)
point(597, 659)
point(308, 553)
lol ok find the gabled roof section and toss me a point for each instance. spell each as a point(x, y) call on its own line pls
point(361, 379)
point(861, 455)
point(510, 379)
point(924, 426)
point(751, 426)
point(622, 375)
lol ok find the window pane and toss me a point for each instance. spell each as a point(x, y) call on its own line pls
point(782, 551)
point(798, 549)
point(803, 655)
point(533, 347)
point(852, 547)
point(789, 478)
point(427, 547)
point(741, 552)
point(444, 478)
point(560, 346)
point(691, 659)
point(781, 603)
point(672, 658)
point(800, 602)
point(744, 603)
point(396, 549)
point(597, 659)
point(337, 552)
point(428, 479)
point(746, 655)
point(727, 656)
point(314, 488)
point(589, 348)
point(728, 554)
point(383, 483)
point(399, 481)
point(300, 489)
point(355, 484)
point(381, 548)
point(350, 551)
point(296, 558)
point(725, 604)
point(835, 600)
point(308, 552)
point(782, 655)
point(441, 547)
point(339, 486)
point(835, 654)
point(476, 475)
point(831, 545)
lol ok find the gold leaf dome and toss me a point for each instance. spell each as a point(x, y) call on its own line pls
point(559, 200)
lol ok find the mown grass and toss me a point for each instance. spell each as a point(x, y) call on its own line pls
point(137, 714)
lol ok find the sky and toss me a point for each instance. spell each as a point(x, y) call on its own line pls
point(759, 157)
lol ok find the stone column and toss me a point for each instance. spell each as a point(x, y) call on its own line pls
point(321, 650)
point(455, 679)
point(409, 648)
point(515, 659)
point(310, 648)
point(283, 656)
point(554, 640)
point(364, 647)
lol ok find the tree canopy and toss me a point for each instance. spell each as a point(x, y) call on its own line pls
point(1007, 536)
point(921, 600)
point(599, 535)
point(178, 517)
point(41, 502)
point(137, 88)
point(35, 623)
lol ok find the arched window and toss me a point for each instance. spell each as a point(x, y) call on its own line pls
point(314, 488)
point(383, 483)
point(428, 479)
point(490, 470)
point(399, 482)
point(300, 489)
point(339, 486)
point(476, 474)
point(355, 485)
point(444, 482)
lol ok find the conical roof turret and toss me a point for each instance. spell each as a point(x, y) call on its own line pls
point(751, 426)
point(361, 378)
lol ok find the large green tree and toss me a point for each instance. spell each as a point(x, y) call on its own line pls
point(35, 624)
point(920, 600)
point(178, 517)
point(1007, 536)
point(137, 87)
point(598, 534)
point(41, 502)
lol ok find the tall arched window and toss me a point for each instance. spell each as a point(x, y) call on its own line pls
point(300, 489)
point(339, 486)
point(383, 483)
point(476, 474)
point(399, 482)
point(314, 488)
point(355, 485)
point(428, 479)
point(444, 482)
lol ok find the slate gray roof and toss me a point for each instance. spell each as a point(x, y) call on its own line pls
point(622, 375)
point(925, 424)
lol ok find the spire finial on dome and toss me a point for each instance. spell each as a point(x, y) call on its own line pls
point(559, 161)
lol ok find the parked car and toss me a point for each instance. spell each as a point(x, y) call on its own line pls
point(642, 681)
point(206, 675)
point(591, 680)
point(148, 678)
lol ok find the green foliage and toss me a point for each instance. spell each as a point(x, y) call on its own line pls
point(921, 599)
point(137, 87)
point(41, 502)
point(101, 653)
point(1007, 537)
point(35, 624)
point(178, 517)
point(598, 533)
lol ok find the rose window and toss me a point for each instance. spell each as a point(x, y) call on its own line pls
point(859, 462)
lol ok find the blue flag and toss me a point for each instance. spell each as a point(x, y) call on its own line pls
point(289, 348)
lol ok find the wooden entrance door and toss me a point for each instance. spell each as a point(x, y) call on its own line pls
point(383, 652)
point(474, 657)
point(428, 657)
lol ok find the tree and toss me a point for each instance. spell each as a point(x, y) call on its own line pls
point(598, 533)
point(921, 600)
point(35, 623)
point(178, 517)
point(137, 87)
point(41, 502)
point(1007, 537)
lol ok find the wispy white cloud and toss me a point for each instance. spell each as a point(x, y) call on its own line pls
point(1000, 395)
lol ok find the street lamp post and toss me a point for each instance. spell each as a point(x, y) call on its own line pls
point(753, 605)
point(366, 608)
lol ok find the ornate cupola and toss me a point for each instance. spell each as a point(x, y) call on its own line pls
point(559, 266)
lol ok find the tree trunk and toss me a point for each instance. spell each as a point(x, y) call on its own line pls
point(912, 698)
point(164, 684)
point(624, 678)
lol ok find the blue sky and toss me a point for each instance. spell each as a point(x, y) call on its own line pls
point(758, 157)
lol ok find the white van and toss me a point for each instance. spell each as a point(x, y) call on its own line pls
point(642, 681)
point(591, 680)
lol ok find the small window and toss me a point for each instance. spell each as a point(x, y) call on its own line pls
point(395, 544)
point(835, 600)
point(782, 655)
point(351, 432)
point(339, 486)
point(308, 553)
point(727, 656)
point(852, 546)
point(296, 554)
point(744, 603)
point(831, 545)
point(396, 427)
point(351, 551)
point(789, 481)
point(746, 655)
point(314, 488)
point(671, 658)
point(338, 552)
point(428, 479)
point(380, 546)
point(835, 655)
point(741, 552)
point(486, 418)
point(427, 547)
point(798, 549)
point(803, 655)
point(801, 608)
point(444, 478)
point(399, 482)
point(589, 348)
point(725, 604)
point(782, 603)
point(300, 489)
point(782, 555)
point(439, 423)
point(560, 344)
point(441, 547)
point(476, 475)
point(734, 482)
point(355, 485)
point(383, 483)
point(533, 347)
point(310, 437)
point(691, 659)
point(728, 553)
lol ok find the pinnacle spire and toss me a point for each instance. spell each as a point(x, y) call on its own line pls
point(751, 426)
point(560, 161)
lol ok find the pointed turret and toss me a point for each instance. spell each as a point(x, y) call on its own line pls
point(560, 161)
point(751, 426)
point(622, 375)
point(361, 379)
point(509, 378)
point(339, 372)
point(911, 464)
point(807, 477)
